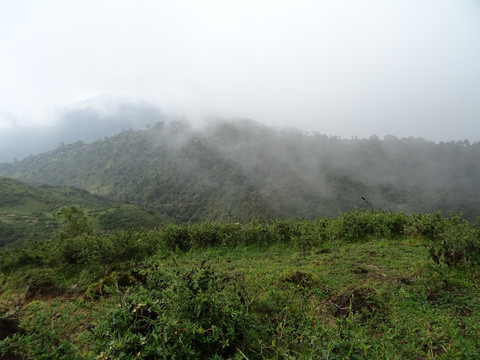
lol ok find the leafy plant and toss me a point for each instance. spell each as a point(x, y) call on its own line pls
point(73, 222)
point(458, 245)
point(194, 314)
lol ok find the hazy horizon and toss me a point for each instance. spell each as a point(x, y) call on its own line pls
point(341, 68)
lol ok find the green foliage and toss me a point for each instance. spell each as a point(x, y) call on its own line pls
point(192, 315)
point(127, 217)
point(353, 226)
point(117, 247)
point(284, 289)
point(73, 222)
point(176, 237)
point(45, 334)
point(85, 250)
point(431, 226)
point(36, 254)
point(29, 213)
point(457, 245)
point(235, 171)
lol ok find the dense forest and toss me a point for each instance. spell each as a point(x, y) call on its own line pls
point(237, 170)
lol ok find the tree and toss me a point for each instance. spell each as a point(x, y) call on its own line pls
point(73, 222)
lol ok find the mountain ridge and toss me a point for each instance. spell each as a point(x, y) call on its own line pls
point(236, 170)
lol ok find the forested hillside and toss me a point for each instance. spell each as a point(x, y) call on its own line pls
point(241, 169)
point(31, 213)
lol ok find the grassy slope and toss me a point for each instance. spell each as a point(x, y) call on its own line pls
point(379, 298)
point(28, 212)
point(23, 199)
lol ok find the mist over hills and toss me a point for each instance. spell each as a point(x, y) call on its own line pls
point(236, 170)
point(86, 121)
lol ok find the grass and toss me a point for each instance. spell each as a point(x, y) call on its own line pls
point(28, 213)
point(383, 297)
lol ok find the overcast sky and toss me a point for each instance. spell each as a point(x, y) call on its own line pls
point(339, 67)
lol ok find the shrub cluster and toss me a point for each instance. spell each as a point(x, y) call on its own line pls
point(354, 226)
point(452, 240)
point(83, 250)
point(457, 245)
point(199, 314)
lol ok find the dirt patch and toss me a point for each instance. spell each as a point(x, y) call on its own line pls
point(9, 326)
point(43, 290)
point(355, 300)
point(299, 278)
point(12, 216)
point(404, 281)
point(369, 271)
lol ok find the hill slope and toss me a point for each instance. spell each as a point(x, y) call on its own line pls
point(387, 287)
point(238, 170)
point(28, 212)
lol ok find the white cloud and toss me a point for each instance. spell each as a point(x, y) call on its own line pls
point(340, 67)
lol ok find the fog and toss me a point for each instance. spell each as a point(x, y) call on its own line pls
point(347, 68)
point(86, 121)
point(239, 169)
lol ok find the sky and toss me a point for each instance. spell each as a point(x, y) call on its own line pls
point(350, 68)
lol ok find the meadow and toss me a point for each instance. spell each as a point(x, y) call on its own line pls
point(363, 285)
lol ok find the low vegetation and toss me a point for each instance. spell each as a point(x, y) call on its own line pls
point(29, 213)
point(363, 285)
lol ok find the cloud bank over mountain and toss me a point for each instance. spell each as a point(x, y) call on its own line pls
point(347, 68)
point(86, 121)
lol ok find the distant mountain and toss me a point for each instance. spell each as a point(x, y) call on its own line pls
point(87, 121)
point(28, 212)
point(241, 169)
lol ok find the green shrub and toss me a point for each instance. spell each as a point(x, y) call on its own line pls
point(354, 226)
point(458, 245)
point(44, 334)
point(430, 226)
point(189, 315)
point(212, 234)
point(311, 234)
point(396, 223)
point(73, 222)
point(88, 249)
point(285, 230)
point(257, 232)
point(33, 254)
point(176, 237)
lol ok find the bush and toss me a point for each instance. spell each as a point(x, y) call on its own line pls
point(87, 249)
point(176, 237)
point(396, 223)
point(17, 257)
point(44, 334)
point(189, 315)
point(214, 234)
point(311, 234)
point(285, 230)
point(430, 226)
point(257, 232)
point(354, 226)
point(458, 245)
